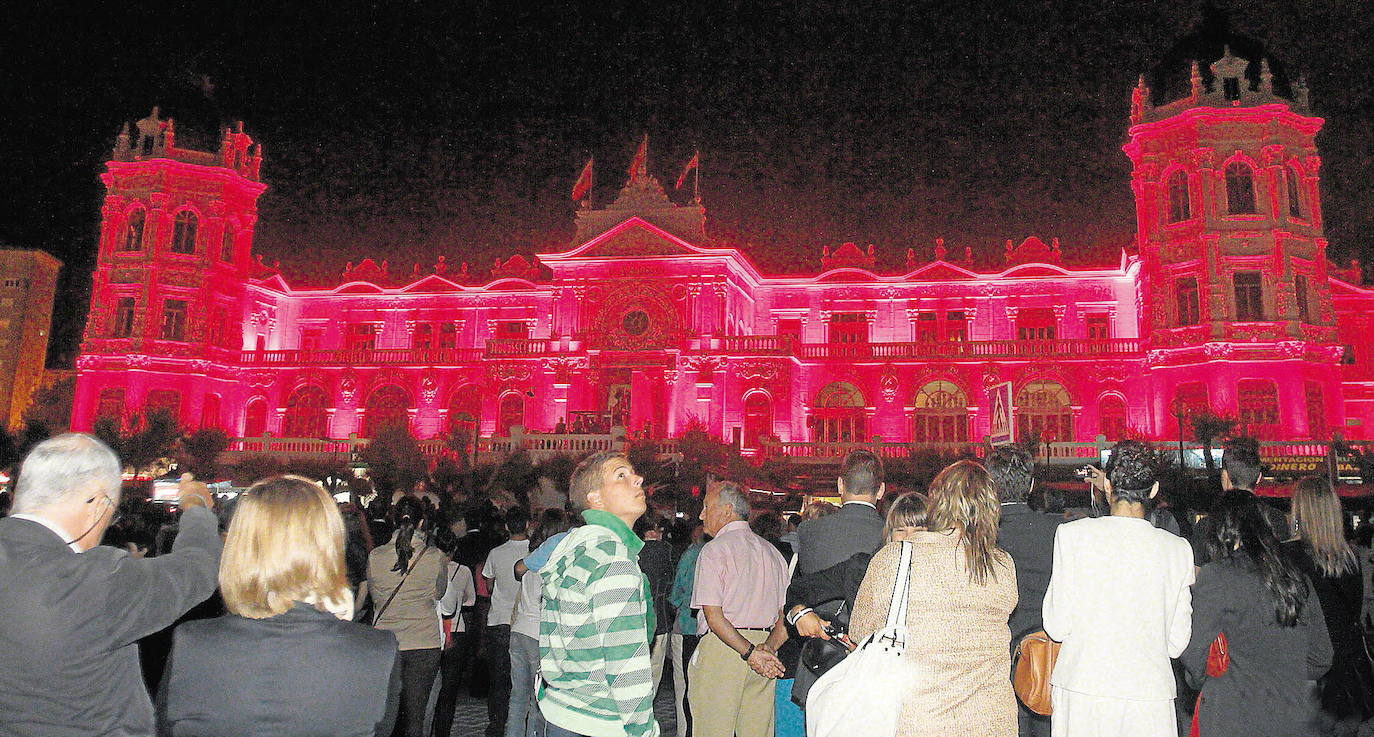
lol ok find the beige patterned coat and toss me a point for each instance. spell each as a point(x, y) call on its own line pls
point(959, 640)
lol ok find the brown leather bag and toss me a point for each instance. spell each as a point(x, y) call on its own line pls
point(1034, 662)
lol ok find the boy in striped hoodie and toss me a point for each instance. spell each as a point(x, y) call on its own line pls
point(595, 625)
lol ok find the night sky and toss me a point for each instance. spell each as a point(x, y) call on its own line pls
point(407, 130)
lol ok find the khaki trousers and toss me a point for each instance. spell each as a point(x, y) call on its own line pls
point(727, 697)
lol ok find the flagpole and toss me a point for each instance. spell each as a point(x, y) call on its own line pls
point(696, 179)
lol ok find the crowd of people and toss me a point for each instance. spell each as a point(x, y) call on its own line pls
point(329, 619)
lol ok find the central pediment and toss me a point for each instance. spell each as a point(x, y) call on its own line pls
point(637, 241)
point(632, 238)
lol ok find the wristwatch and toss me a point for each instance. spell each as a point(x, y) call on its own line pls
point(745, 655)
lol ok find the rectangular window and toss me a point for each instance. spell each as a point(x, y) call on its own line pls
point(124, 318)
point(792, 327)
point(1249, 296)
point(927, 329)
point(1300, 296)
point(1316, 410)
point(1099, 327)
point(361, 336)
point(1037, 323)
point(1258, 402)
point(448, 336)
point(512, 329)
point(1188, 305)
point(312, 339)
point(174, 319)
point(424, 337)
point(956, 326)
point(848, 327)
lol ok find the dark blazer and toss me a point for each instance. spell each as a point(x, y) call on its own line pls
point(301, 673)
point(1266, 691)
point(1028, 536)
point(855, 528)
point(69, 623)
point(840, 581)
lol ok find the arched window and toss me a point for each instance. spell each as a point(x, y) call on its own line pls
point(758, 419)
point(1180, 208)
point(510, 413)
point(1240, 189)
point(133, 231)
point(184, 232)
point(465, 415)
point(163, 400)
point(1111, 417)
point(838, 415)
point(1293, 179)
point(386, 406)
point(1258, 402)
point(209, 412)
point(941, 414)
point(111, 405)
point(226, 245)
point(306, 415)
point(255, 418)
point(1042, 410)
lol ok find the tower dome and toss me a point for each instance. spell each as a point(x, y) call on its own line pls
point(1212, 40)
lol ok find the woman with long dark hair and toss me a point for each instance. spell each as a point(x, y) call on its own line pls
point(1319, 548)
point(406, 578)
point(961, 590)
point(1275, 634)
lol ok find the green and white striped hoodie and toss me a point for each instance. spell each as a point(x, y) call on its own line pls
point(594, 633)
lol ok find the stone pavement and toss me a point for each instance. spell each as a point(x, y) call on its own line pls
point(471, 717)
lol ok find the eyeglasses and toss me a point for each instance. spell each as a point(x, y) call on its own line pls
point(113, 518)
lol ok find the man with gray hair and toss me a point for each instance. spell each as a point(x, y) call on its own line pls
point(741, 585)
point(72, 611)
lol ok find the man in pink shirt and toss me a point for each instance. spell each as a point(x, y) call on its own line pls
point(741, 584)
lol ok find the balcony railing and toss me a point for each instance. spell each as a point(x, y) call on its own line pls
point(362, 357)
point(750, 345)
point(975, 349)
point(521, 346)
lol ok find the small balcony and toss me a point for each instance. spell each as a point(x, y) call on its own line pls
point(975, 349)
point(363, 357)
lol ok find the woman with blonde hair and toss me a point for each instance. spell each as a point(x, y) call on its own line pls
point(1319, 549)
point(960, 592)
point(286, 659)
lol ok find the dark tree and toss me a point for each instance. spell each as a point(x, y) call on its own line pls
point(202, 449)
point(395, 459)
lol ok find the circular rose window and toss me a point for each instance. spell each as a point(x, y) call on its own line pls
point(635, 322)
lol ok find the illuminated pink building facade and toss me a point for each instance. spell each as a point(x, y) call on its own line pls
point(1226, 300)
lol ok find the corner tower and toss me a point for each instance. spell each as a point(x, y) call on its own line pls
point(174, 254)
point(1229, 232)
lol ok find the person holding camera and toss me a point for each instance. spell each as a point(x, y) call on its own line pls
point(1120, 603)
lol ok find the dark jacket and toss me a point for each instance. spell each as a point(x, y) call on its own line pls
point(1028, 536)
point(656, 561)
point(1266, 690)
point(301, 673)
point(840, 581)
point(855, 528)
point(69, 622)
point(1343, 689)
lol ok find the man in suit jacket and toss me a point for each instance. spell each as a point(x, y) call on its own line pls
point(856, 527)
point(1028, 536)
point(72, 611)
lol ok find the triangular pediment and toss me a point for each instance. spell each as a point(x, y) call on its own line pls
point(630, 239)
point(433, 285)
point(940, 271)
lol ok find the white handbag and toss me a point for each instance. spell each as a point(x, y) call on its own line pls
point(862, 696)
